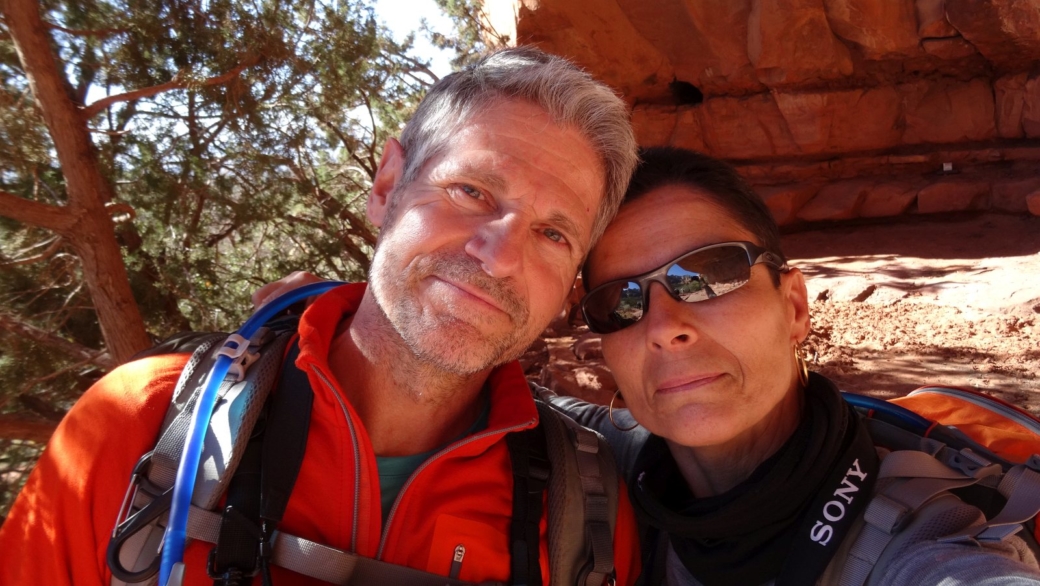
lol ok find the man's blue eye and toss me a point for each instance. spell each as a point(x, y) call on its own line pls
point(553, 235)
point(471, 191)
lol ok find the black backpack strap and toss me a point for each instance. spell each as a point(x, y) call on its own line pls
point(283, 454)
point(234, 558)
point(260, 488)
point(530, 459)
point(654, 544)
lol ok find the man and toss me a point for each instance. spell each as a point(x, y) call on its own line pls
point(487, 207)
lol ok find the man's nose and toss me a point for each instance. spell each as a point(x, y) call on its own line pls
point(499, 246)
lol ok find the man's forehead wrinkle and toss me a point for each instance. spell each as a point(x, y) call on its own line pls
point(478, 171)
point(495, 181)
point(539, 122)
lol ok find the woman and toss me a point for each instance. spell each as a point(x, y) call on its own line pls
point(738, 449)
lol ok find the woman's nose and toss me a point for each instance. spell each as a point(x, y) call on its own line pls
point(669, 322)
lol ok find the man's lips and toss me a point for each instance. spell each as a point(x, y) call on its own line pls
point(472, 291)
point(688, 383)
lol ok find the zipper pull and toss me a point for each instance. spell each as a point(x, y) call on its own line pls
point(456, 561)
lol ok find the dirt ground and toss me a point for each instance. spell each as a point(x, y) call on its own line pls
point(952, 300)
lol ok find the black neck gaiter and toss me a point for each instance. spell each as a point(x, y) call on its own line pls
point(750, 534)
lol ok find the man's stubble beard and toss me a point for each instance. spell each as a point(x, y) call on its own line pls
point(446, 341)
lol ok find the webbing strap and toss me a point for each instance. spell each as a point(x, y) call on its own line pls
point(914, 464)
point(1021, 487)
point(261, 485)
point(597, 508)
point(321, 561)
point(530, 460)
point(235, 555)
point(583, 493)
point(916, 478)
point(287, 428)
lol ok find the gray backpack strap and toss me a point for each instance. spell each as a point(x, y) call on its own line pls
point(1021, 487)
point(139, 529)
point(321, 561)
point(914, 479)
point(583, 492)
point(238, 408)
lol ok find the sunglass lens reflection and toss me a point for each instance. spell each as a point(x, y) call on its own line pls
point(630, 305)
point(709, 273)
point(615, 306)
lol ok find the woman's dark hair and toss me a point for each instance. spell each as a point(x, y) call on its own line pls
point(714, 180)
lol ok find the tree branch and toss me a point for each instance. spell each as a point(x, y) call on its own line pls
point(104, 32)
point(175, 83)
point(55, 245)
point(38, 405)
point(35, 213)
point(44, 338)
point(118, 208)
point(24, 428)
point(92, 235)
point(419, 66)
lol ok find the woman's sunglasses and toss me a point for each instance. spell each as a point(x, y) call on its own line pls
point(698, 275)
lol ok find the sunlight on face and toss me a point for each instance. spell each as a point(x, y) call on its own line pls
point(703, 373)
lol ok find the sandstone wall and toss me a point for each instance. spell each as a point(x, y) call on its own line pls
point(835, 109)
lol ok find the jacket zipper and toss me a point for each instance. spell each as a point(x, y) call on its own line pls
point(456, 561)
point(357, 456)
point(447, 450)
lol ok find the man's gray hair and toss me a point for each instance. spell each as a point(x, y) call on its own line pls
point(569, 95)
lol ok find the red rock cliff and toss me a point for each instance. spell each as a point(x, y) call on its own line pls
point(835, 109)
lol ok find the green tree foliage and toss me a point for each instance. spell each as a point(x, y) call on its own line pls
point(473, 34)
point(239, 138)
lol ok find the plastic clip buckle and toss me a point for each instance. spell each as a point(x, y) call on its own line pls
point(130, 526)
point(138, 482)
point(973, 465)
point(1033, 463)
point(241, 358)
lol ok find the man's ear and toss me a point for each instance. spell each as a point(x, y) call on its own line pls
point(573, 296)
point(388, 175)
point(792, 286)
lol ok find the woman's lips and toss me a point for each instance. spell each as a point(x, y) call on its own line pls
point(679, 385)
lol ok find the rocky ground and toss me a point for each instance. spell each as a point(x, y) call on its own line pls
point(926, 300)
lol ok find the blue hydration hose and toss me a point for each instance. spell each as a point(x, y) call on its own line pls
point(908, 418)
point(187, 469)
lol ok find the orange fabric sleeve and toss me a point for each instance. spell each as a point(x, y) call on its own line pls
point(60, 525)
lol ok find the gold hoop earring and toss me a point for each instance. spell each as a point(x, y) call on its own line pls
point(610, 414)
point(801, 365)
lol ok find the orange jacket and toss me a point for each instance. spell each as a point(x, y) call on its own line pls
point(60, 526)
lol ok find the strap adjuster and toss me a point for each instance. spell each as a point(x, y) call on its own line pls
point(1033, 462)
point(972, 465)
point(236, 348)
